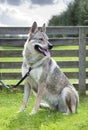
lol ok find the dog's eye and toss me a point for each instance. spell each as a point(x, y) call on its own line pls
point(41, 39)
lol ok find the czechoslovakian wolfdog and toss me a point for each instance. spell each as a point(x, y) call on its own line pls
point(46, 80)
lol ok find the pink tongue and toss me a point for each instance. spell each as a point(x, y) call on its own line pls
point(47, 53)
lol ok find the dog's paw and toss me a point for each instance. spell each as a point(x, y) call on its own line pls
point(44, 105)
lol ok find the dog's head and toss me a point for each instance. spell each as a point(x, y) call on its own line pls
point(39, 40)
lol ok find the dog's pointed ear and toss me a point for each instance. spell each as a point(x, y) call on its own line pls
point(34, 28)
point(43, 29)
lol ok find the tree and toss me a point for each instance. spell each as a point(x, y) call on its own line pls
point(76, 14)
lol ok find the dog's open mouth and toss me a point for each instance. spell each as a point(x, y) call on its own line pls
point(45, 52)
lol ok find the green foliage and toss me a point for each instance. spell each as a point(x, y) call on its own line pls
point(76, 14)
point(45, 119)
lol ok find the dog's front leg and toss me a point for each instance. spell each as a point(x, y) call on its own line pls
point(26, 96)
point(40, 94)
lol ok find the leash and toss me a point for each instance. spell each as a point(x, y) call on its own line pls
point(23, 78)
point(3, 84)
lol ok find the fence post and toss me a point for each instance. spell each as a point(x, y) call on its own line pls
point(82, 61)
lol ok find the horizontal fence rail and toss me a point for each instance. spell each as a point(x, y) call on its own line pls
point(70, 51)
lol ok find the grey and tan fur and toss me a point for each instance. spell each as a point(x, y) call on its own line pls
point(46, 80)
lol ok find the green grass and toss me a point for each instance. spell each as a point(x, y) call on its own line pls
point(13, 82)
point(10, 48)
point(20, 59)
point(45, 119)
point(11, 59)
point(66, 58)
point(67, 47)
point(10, 70)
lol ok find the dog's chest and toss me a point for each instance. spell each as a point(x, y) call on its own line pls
point(36, 74)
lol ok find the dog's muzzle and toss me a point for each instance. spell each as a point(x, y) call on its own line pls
point(50, 46)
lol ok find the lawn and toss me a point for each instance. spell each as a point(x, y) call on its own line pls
point(45, 119)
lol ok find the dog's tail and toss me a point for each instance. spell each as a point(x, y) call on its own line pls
point(72, 103)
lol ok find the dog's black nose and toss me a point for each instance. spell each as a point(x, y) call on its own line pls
point(50, 46)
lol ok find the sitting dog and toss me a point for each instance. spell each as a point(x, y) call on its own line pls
point(50, 85)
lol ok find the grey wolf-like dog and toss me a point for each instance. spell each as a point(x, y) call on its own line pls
point(50, 85)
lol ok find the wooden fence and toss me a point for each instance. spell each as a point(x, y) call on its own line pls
point(70, 52)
